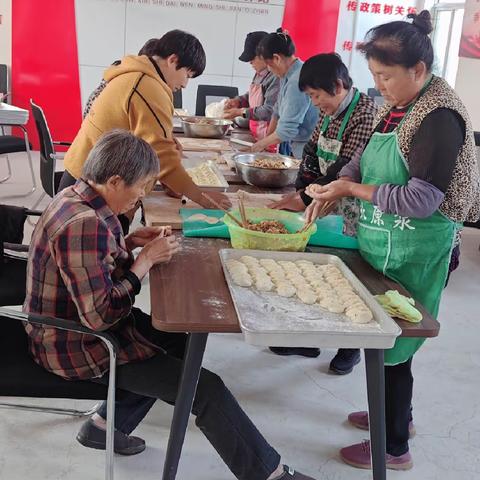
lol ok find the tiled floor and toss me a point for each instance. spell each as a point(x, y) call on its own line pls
point(298, 406)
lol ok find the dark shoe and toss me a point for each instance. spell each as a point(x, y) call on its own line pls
point(302, 351)
point(344, 361)
point(360, 420)
point(93, 437)
point(291, 474)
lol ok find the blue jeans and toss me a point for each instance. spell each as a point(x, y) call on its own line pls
point(218, 415)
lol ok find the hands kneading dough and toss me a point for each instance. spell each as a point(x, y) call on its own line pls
point(312, 284)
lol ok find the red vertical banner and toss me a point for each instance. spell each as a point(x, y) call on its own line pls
point(312, 25)
point(45, 64)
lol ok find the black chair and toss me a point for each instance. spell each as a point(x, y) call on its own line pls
point(11, 143)
point(48, 156)
point(177, 99)
point(215, 93)
point(20, 376)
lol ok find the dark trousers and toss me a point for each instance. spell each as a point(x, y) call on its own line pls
point(67, 180)
point(398, 406)
point(218, 415)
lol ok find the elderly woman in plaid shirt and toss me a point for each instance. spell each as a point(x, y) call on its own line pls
point(81, 268)
point(343, 130)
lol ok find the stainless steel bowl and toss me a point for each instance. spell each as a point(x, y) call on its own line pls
point(202, 127)
point(265, 177)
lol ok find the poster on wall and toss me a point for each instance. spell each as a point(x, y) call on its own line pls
point(470, 39)
point(354, 20)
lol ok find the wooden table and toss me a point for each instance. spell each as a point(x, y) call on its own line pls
point(207, 307)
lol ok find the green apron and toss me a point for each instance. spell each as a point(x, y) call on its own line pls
point(415, 252)
point(328, 149)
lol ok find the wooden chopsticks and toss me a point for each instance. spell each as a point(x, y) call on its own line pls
point(210, 199)
point(322, 212)
point(241, 208)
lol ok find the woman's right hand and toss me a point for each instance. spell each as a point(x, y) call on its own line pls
point(159, 250)
point(232, 103)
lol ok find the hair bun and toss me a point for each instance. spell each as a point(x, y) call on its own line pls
point(423, 21)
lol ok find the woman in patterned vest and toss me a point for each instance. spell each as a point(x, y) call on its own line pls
point(417, 182)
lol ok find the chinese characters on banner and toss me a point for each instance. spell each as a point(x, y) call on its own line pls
point(354, 20)
point(470, 40)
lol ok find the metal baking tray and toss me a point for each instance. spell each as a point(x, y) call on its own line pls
point(223, 182)
point(267, 319)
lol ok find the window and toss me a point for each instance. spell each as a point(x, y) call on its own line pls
point(447, 21)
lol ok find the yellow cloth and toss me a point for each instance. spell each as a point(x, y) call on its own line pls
point(135, 99)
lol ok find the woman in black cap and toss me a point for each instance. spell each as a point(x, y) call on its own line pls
point(257, 104)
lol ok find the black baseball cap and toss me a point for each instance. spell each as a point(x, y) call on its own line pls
point(251, 44)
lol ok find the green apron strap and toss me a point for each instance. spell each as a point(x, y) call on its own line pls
point(325, 124)
point(347, 116)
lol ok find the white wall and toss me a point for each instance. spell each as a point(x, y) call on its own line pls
point(109, 29)
point(468, 75)
point(6, 32)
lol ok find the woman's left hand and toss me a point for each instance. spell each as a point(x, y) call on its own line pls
point(144, 235)
point(231, 113)
point(330, 192)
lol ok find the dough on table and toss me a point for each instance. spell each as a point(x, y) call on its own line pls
point(285, 289)
point(212, 220)
point(242, 279)
point(196, 217)
point(306, 295)
point(264, 284)
point(360, 315)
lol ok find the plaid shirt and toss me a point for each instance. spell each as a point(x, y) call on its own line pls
point(76, 270)
point(354, 139)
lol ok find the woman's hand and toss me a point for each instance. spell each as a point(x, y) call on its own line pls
point(317, 209)
point(259, 146)
point(159, 250)
point(144, 235)
point(330, 192)
point(232, 103)
point(292, 201)
point(231, 113)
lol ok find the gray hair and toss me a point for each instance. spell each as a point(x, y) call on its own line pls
point(121, 153)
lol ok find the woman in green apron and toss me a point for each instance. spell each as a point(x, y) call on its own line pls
point(344, 128)
point(417, 182)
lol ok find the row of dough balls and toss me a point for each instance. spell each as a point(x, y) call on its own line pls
point(322, 284)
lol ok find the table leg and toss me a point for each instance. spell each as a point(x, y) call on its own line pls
point(376, 410)
point(192, 364)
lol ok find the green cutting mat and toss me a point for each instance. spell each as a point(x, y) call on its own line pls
point(329, 229)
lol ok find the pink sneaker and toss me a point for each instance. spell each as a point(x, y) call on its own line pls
point(358, 455)
point(360, 420)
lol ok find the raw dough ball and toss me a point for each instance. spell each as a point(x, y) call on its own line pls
point(332, 304)
point(287, 264)
point(306, 295)
point(319, 282)
point(212, 220)
point(236, 266)
point(249, 261)
point(197, 217)
point(285, 289)
point(301, 263)
point(264, 284)
point(269, 264)
point(360, 315)
point(242, 279)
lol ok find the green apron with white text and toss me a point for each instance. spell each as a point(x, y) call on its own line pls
point(328, 149)
point(415, 252)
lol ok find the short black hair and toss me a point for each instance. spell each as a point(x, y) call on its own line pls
point(185, 46)
point(401, 43)
point(323, 71)
point(149, 47)
point(278, 42)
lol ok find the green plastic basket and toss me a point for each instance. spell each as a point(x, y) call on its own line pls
point(243, 238)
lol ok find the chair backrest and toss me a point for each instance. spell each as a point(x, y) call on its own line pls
point(4, 84)
point(177, 99)
point(214, 93)
point(47, 152)
point(12, 220)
